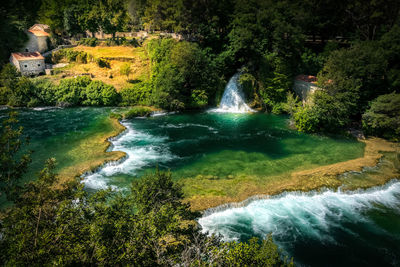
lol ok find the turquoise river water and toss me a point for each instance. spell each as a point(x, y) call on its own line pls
point(328, 228)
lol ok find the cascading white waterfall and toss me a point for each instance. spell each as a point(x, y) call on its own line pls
point(233, 99)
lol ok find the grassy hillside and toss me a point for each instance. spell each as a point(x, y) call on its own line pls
point(117, 56)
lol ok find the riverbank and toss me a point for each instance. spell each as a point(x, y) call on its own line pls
point(239, 189)
point(93, 151)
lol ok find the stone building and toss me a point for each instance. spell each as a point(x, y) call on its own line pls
point(40, 27)
point(305, 86)
point(37, 41)
point(28, 63)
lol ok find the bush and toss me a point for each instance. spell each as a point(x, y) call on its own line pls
point(69, 55)
point(133, 42)
point(125, 70)
point(98, 93)
point(103, 63)
point(89, 41)
point(327, 113)
point(137, 94)
point(81, 58)
point(71, 91)
point(4, 95)
point(138, 112)
point(383, 117)
point(45, 91)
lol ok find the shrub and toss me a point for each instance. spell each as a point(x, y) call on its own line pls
point(103, 63)
point(98, 93)
point(137, 94)
point(125, 70)
point(69, 55)
point(4, 95)
point(89, 41)
point(133, 42)
point(383, 117)
point(45, 91)
point(116, 115)
point(138, 112)
point(81, 58)
point(72, 91)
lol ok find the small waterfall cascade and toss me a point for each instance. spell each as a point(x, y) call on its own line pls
point(233, 98)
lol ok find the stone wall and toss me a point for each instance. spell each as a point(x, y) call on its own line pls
point(15, 62)
point(31, 67)
point(35, 43)
point(304, 89)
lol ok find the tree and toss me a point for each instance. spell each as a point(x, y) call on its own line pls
point(383, 117)
point(114, 16)
point(13, 165)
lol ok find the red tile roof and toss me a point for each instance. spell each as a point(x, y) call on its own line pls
point(39, 33)
point(306, 78)
point(27, 56)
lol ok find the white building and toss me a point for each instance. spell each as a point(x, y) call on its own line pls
point(28, 63)
point(37, 41)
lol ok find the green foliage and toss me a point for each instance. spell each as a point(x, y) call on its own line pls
point(137, 112)
point(253, 253)
point(327, 113)
point(103, 63)
point(69, 55)
point(382, 118)
point(125, 70)
point(136, 94)
point(71, 92)
point(13, 165)
point(89, 41)
point(98, 93)
point(12, 23)
point(9, 76)
point(311, 63)
point(291, 104)
point(182, 75)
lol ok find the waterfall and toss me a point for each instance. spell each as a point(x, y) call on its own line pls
point(233, 99)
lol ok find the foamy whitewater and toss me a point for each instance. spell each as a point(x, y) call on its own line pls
point(233, 99)
point(308, 218)
point(141, 150)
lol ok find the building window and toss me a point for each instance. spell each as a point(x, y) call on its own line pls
point(38, 65)
point(25, 66)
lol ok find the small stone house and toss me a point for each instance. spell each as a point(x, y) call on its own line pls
point(305, 86)
point(28, 63)
point(37, 41)
point(40, 27)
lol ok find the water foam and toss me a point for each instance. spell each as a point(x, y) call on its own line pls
point(141, 148)
point(233, 99)
point(295, 215)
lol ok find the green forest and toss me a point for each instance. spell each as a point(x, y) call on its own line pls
point(352, 47)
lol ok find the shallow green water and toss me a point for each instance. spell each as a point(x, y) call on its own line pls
point(219, 145)
point(55, 133)
point(316, 228)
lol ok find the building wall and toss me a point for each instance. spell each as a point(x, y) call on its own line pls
point(35, 43)
point(42, 43)
point(32, 44)
point(32, 67)
point(14, 62)
point(304, 89)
